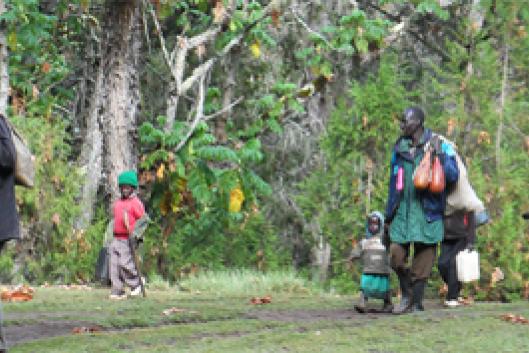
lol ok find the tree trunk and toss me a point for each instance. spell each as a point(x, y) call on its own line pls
point(4, 61)
point(110, 144)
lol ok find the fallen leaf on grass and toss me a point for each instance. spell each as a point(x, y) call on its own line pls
point(83, 329)
point(21, 293)
point(515, 319)
point(263, 300)
point(466, 300)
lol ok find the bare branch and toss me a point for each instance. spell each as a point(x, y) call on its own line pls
point(160, 35)
point(145, 29)
point(202, 38)
point(223, 110)
point(310, 30)
point(198, 73)
point(501, 108)
point(199, 115)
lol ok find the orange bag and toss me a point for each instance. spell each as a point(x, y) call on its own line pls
point(423, 173)
point(438, 182)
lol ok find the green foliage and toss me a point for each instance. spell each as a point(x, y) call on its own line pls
point(190, 202)
point(357, 147)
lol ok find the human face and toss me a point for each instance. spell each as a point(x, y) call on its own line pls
point(126, 191)
point(409, 124)
point(373, 225)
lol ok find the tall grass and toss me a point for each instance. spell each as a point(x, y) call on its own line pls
point(247, 282)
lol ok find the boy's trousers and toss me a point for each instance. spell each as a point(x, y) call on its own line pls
point(122, 268)
point(447, 265)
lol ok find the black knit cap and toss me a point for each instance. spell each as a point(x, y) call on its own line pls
point(415, 113)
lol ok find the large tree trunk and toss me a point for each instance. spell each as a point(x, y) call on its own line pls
point(4, 61)
point(110, 144)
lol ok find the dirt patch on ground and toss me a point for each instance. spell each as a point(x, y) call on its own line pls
point(46, 325)
point(431, 306)
point(43, 329)
point(310, 315)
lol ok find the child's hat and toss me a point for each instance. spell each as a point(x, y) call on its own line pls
point(128, 178)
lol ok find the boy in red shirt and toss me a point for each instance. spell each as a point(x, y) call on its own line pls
point(127, 210)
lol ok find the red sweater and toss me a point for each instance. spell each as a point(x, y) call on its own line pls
point(135, 210)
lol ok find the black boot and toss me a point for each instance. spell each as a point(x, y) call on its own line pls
point(362, 303)
point(405, 304)
point(418, 295)
point(388, 306)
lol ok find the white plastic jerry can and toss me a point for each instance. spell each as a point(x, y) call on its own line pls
point(467, 265)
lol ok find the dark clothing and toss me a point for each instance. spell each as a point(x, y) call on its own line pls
point(415, 216)
point(433, 205)
point(422, 263)
point(9, 228)
point(460, 231)
point(447, 265)
point(460, 224)
point(9, 224)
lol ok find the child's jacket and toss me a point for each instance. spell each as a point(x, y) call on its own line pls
point(374, 256)
point(134, 209)
point(372, 252)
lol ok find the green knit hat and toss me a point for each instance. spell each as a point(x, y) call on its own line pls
point(128, 178)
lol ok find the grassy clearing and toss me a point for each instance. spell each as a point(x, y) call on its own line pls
point(475, 329)
point(247, 282)
point(219, 318)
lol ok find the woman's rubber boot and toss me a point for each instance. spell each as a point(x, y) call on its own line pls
point(405, 304)
point(418, 295)
point(362, 303)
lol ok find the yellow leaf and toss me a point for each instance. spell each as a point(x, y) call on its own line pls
point(233, 26)
point(484, 137)
point(12, 41)
point(307, 90)
point(236, 199)
point(165, 204)
point(255, 48)
point(160, 172)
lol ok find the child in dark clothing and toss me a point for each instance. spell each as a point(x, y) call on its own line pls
point(375, 273)
point(459, 234)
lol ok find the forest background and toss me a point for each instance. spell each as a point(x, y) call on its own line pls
point(261, 130)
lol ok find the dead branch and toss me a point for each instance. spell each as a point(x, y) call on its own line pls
point(223, 110)
point(199, 114)
point(502, 106)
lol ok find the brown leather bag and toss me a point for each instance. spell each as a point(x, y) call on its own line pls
point(423, 173)
point(438, 182)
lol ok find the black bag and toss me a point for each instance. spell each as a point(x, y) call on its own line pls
point(103, 267)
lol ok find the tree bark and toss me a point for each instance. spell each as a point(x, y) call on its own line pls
point(110, 144)
point(4, 61)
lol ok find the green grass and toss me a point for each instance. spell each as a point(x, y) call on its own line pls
point(247, 282)
point(224, 321)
